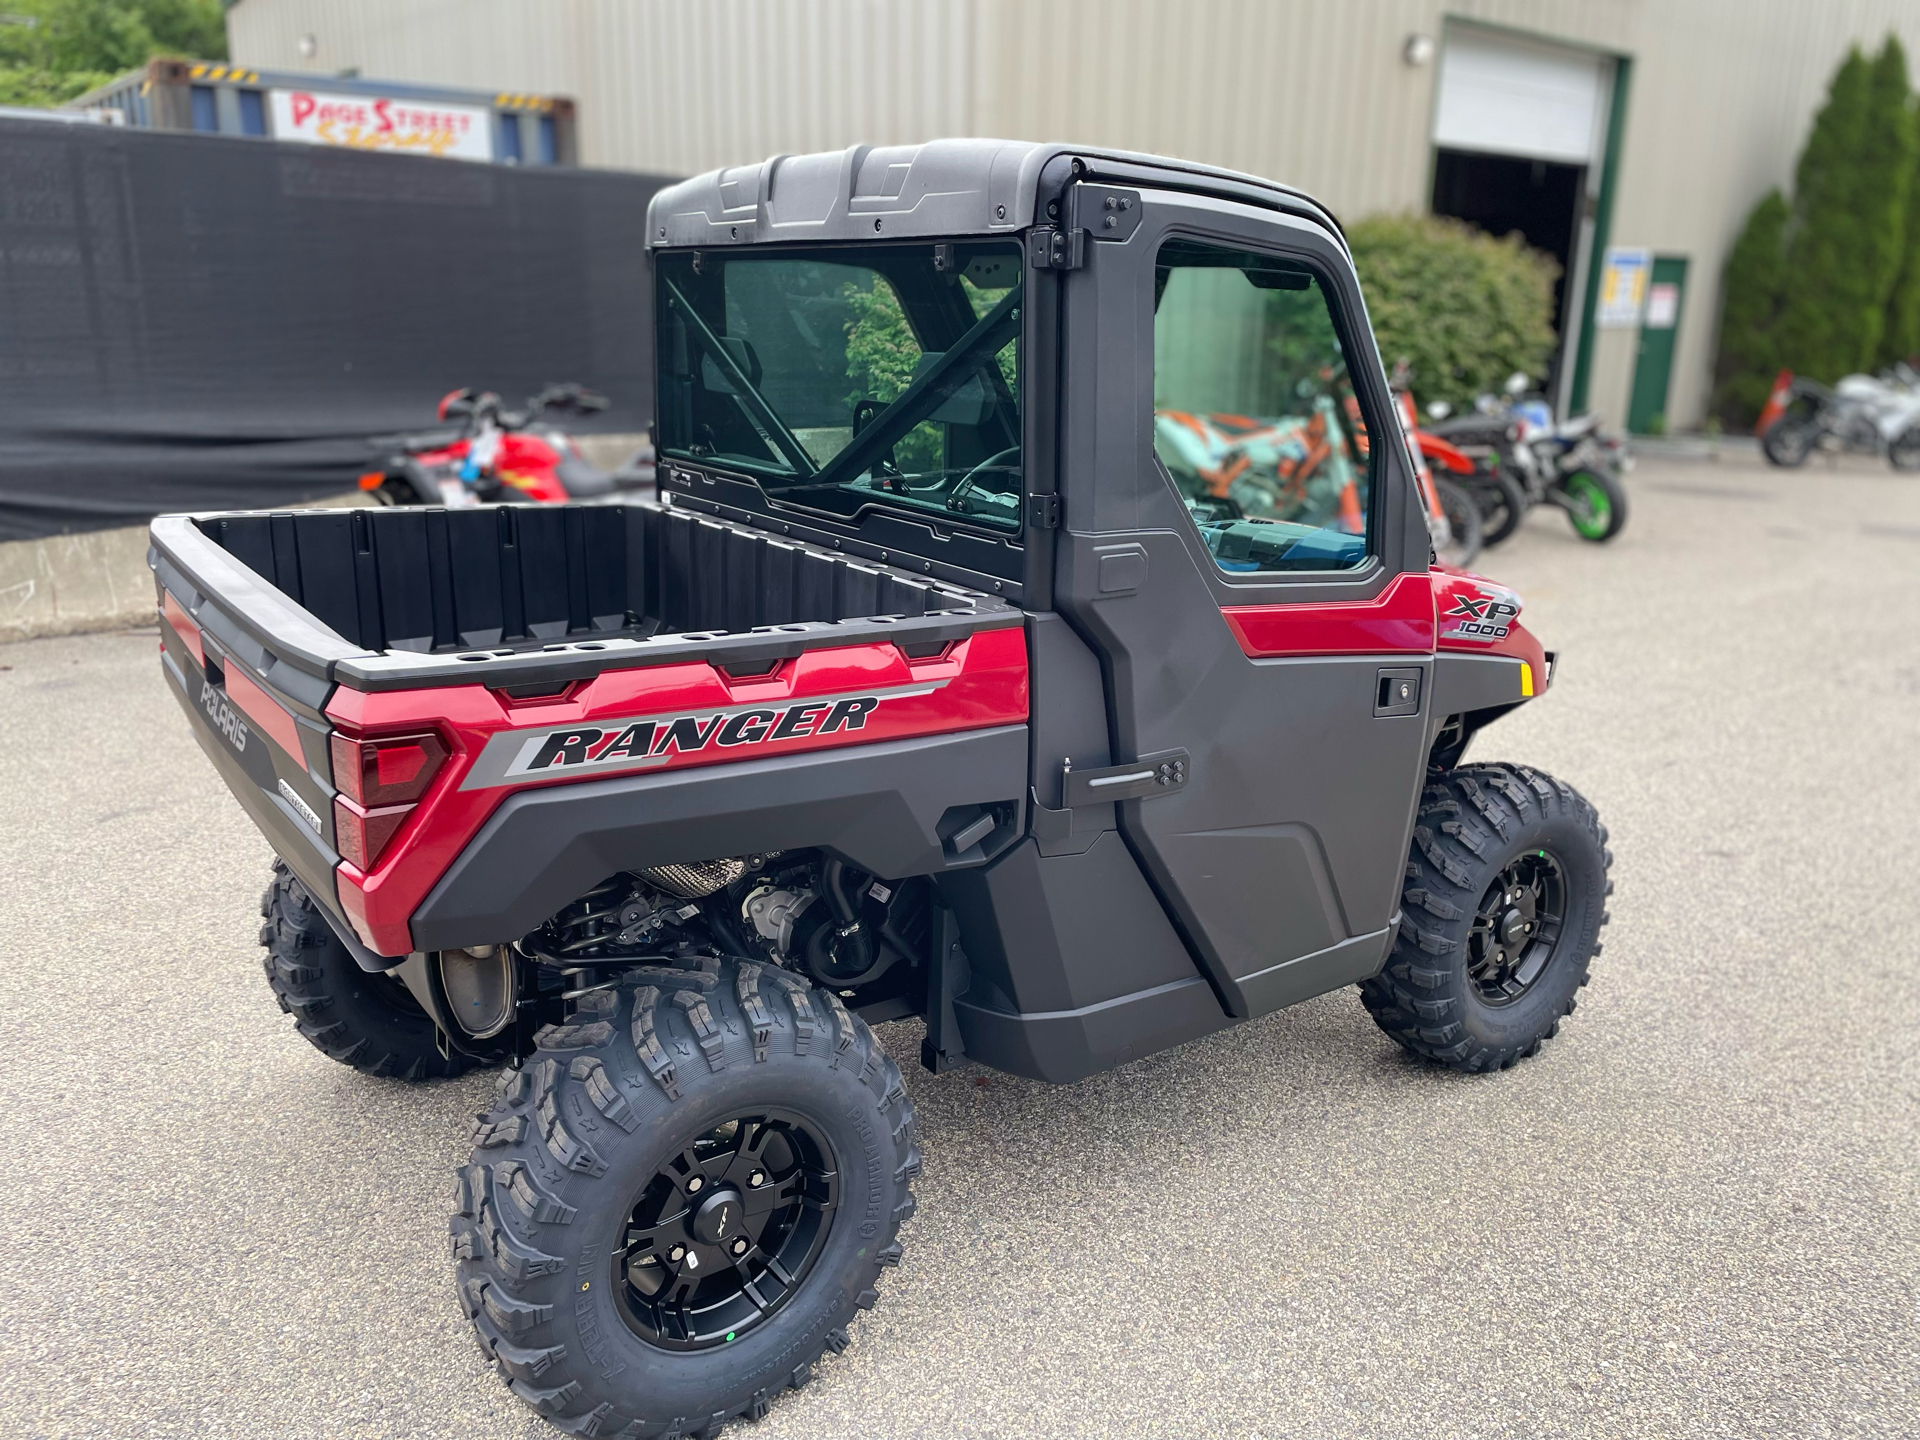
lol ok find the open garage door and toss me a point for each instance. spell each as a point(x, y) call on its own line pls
point(1519, 132)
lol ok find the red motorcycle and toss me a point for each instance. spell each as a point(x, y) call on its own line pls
point(499, 455)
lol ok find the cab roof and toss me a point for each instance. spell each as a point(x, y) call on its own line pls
point(940, 188)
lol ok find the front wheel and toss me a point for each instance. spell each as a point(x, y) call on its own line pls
point(1904, 452)
point(1505, 897)
point(1789, 441)
point(682, 1198)
point(1596, 504)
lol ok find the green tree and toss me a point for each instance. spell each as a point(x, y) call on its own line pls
point(1463, 309)
point(1754, 285)
point(70, 46)
point(1901, 340)
point(1849, 211)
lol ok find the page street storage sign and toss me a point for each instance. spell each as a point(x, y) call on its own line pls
point(381, 122)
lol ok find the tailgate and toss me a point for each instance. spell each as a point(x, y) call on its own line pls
point(250, 669)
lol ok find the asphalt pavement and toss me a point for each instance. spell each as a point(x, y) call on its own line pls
point(1692, 1215)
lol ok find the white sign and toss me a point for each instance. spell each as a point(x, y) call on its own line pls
point(383, 122)
point(1623, 288)
point(1663, 306)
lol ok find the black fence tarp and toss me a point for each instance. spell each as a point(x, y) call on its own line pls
point(198, 322)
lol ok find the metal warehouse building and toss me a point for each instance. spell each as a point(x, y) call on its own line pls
point(1628, 137)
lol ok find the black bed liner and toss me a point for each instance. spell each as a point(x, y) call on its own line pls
point(382, 599)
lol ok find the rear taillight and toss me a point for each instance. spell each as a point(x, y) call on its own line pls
point(390, 770)
point(380, 780)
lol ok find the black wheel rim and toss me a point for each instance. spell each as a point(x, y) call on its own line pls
point(1517, 929)
point(727, 1231)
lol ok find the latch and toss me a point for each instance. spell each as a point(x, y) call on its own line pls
point(1043, 512)
point(1164, 772)
point(1051, 249)
point(1396, 691)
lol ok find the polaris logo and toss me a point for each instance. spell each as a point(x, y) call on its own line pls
point(605, 745)
point(224, 717)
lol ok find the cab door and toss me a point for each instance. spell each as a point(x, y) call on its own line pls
point(1244, 551)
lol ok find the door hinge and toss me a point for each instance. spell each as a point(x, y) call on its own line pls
point(1043, 512)
point(1051, 249)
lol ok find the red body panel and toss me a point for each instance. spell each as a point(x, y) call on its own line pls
point(1445, 609)
point(979, 681)
point(1399, 620)
point(175, 615)
point(266, 713)
point(1481, 617)
point(527, 463)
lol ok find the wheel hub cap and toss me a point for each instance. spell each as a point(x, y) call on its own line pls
point(1517, 927)
point(726, 1231)
point(719, 1218)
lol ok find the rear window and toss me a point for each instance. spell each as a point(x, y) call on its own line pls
point(849, 377)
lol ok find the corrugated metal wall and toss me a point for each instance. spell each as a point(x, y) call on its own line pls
point(1313, 92)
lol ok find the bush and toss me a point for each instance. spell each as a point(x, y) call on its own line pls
point(1754, 285)
point(1463, 309)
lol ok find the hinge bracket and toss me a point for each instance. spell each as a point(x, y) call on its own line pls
point(1043, 512)
point(1051, 249)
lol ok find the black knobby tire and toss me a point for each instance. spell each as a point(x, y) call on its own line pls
point(1903, 452)
point(1788, 441)
point(1477, 824)
point(1503, 505)
point(370, 1022)
point(587, 1128)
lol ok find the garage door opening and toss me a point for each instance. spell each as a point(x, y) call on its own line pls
point(1542, 199)
point(1520, 132)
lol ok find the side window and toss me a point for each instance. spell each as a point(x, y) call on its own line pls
point(1254, 415)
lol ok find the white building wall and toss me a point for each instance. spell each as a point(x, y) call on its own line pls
point(1313, 92)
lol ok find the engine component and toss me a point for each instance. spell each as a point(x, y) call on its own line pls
point(773, 913)
point(479, 988)
point(694, 882)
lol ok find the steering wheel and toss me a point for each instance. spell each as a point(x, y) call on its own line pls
point(972, 477)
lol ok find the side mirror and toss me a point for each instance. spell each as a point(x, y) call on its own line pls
point(1517, 383)
point(1439, 410)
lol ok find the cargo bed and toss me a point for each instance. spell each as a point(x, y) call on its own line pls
point(505, 633)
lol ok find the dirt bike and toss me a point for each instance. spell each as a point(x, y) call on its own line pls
point(497, 456)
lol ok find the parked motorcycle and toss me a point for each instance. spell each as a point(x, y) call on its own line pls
point(1499, 498)
point(1862, 414)
point(497, 455)
point(1572, 464)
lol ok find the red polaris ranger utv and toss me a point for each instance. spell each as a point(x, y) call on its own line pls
point(946, 680)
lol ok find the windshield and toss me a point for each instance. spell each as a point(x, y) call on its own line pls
point(841, 378)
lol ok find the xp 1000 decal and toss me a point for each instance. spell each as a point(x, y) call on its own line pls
point(516, 756)
point(1484, 612)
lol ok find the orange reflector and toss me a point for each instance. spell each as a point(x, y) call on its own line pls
point(1526, 681)
point(373, 479)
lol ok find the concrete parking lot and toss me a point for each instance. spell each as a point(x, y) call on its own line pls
point(1692, 1215)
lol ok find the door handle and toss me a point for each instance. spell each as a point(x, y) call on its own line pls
point(1165, 772)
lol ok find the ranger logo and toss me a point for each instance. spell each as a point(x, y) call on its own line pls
point(627, 744)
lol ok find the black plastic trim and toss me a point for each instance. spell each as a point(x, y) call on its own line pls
point(878, 806)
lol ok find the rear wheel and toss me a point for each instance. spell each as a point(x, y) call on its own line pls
point(1505, 897)
point(682, 1199)
point(1789, 441)
point(1597, 504)
point(371, 1022)
point(1465, 534)
point(1904, 452)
